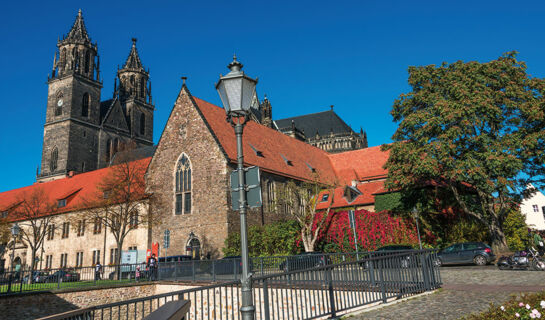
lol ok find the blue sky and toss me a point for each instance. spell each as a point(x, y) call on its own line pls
point(307, 54)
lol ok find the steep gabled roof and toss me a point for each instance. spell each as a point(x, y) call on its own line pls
point(278, 153)
point(362, 164)
point(78, 33)
point(78, 190)
point(322, 123)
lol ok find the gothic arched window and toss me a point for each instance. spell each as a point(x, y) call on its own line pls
point(142, 88)
point(53, 160)
point(132, 85)
point(115, 146)
point(85, 102)
point(183, 186)
point(87, 61)
point(63, 56)
point(142, 124)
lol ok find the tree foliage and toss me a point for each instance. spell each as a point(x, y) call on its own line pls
point(36, 213)
point(475, 129)
point(516, 230)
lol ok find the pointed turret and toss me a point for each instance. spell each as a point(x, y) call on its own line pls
point(133, 78)
point(76, 53)
point(78, 33)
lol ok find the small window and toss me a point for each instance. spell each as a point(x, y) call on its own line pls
point(97, 228)
point(64, 258)
point(54, 159)
point(51, 232)
point(113, 255)
point(535, 207)
point(288, 162)
point(133, 220)
point(81, 228)
point(65, 229)
point(79, 259)
point(106, 194)
point(61, 203)
point(313, 170)
point(4, 214)
point(96, 256)
point(325, 197)
point(85, 102)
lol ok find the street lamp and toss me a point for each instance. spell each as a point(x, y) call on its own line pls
point(15, 229)
point(415, 215)
point(237, 92)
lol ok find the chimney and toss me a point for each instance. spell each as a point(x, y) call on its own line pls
point(71, 174)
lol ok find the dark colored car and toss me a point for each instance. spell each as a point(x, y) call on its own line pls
point(468, 252)
point(402, 261)
point(304, 260)
point(38, 277)
point(64, 275)
point(230, 265)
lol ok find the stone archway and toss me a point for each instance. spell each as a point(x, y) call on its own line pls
point(193, 247)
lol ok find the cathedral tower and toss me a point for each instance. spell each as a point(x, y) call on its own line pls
point(73, 106)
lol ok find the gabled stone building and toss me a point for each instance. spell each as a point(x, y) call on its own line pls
point(81, 132)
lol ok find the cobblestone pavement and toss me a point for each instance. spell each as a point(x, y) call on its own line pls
point(466, 290)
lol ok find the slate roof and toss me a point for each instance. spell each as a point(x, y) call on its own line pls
point(105, 107)
point(133, 60)
point(78, 32)
point(321, 122)
point(132, 155)
point(273, 145)
point(78, 190)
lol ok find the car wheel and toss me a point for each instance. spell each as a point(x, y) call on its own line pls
point(438, 262)
point(480, 260)
point(538, 265)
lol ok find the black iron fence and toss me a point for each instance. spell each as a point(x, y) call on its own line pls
point(309, 293)
point(219, 270)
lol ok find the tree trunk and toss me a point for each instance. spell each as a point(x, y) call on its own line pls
point(307, 241)
point(32, 265)
point(497, 237)
point(118, 259)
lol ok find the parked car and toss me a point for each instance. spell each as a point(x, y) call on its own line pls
point(37, 277)
point(403, 261)
point(468, 252)
point(64, 275)
point(304, 260)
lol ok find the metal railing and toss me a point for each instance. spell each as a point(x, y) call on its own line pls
point(219, 270)
point(301, 294)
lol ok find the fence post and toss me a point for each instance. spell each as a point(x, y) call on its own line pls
point(214, 270)
point(193, 269)
point(10, 279)
point(425, 275)
point(261, 265)
point(59, 277)
point(371, 270)
point(381, 278)
point(329, 280)
point(266, 300)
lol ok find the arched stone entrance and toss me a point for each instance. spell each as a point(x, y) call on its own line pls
point(193, 247)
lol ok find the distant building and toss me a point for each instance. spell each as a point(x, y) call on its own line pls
point(533, 208)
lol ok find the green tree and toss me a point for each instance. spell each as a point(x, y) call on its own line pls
point(476, 129)
point(516, 230)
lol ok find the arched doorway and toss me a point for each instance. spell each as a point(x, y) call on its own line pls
point(194, 247)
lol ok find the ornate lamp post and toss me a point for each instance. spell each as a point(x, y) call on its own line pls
point(237, 92)
point(15, 229)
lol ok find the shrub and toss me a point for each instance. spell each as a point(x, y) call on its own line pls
point(279, 238)
point(527, 306)
point(515, 230)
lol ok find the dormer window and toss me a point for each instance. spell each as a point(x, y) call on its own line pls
point(61, 203)
point(4, 214)
point(288, 162)
point(325, 197)
point(257, 152)
point(351, 193)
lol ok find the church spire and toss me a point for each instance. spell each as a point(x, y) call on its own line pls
point(133, 60)
point(78, 33)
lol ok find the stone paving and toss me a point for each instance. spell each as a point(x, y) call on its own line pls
point(466, 290)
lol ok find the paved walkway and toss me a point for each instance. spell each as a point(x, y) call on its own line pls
point(466, 290)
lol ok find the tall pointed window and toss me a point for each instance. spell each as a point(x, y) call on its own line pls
point(108, 150)
point(53, 160)
point(87, 61)
point(142, 88)
point(142, 124)
point(183, 186)
point(85, 102)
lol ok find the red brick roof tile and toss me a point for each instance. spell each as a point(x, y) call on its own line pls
point(367, 189)
point(75, 189)
point(362, 164)
point(272, 144)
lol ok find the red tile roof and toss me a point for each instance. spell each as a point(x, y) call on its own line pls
point(362, 164)
point(367, 189)
point(273, 145)
point(75, 189)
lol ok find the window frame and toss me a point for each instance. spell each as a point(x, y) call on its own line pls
point(65, 230)
point(183, 185)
